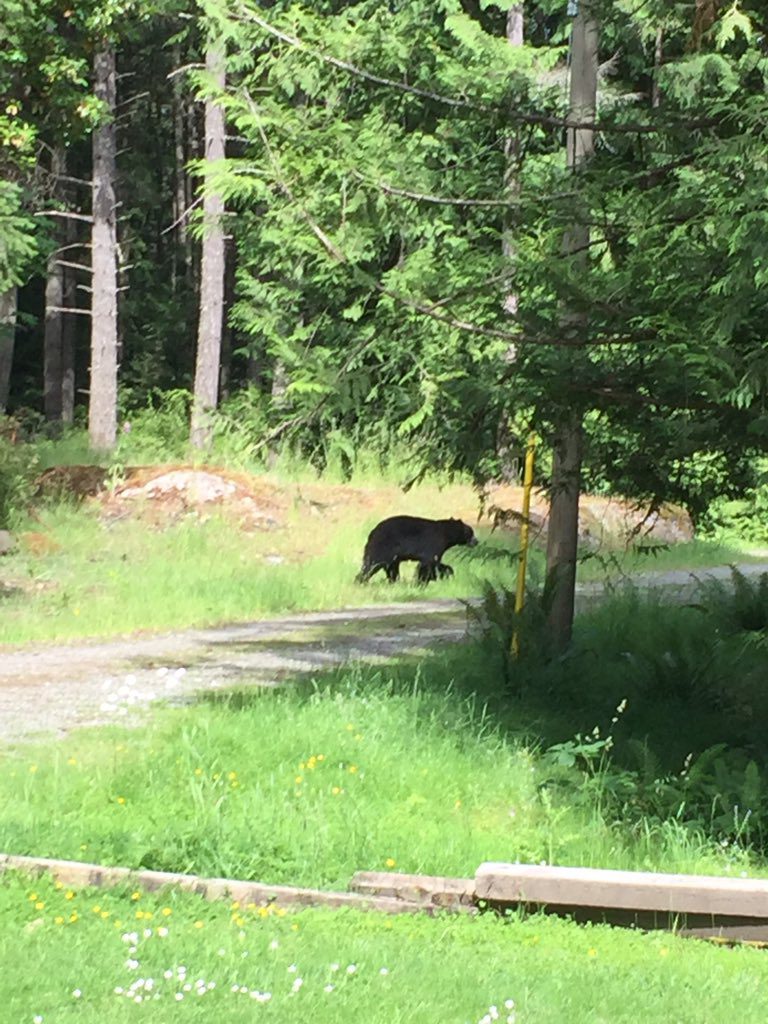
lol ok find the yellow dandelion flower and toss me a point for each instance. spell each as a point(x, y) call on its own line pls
point(166, 911)
point(198, 771)
point(105, 914)
point(33, 768)
point(198, 924)
point(280, 911)
point(58, 885)
point(74, 916)
point(71, 760)
point(59, 920)
point(121, 799)
point(216, 776)
point(294, 927)
point(231, 775)
point(40, 905)
point(352, 769)
point(358, 737)
point(349, 727)
point(336, 790)
point(263, 911)
point(663, 951)
point(592, 952)
point(234, 784)
point(236, 905)
point(32, 897)
point(136, 895)
point(299, 779)
point(69, 894)
point(457, 804)
point(390, 862)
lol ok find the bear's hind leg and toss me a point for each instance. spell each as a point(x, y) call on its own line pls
point(426, 572)
point(393, 571)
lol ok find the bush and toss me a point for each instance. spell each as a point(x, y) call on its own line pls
point(18, 467)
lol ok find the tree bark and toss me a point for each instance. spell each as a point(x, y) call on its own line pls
point(53, 340)
point(102, 406)
point(212, 272)
point(68, 336)
point(8, 309)
point(562, 538)
point(658, 57)
point(506, 442)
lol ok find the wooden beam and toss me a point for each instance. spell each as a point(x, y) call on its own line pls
point(697, 905)
point(427, 890)
point(627, 890)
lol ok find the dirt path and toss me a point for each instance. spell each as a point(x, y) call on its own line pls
point(53, 689)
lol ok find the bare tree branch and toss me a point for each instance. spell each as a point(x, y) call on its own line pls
point(66, 214)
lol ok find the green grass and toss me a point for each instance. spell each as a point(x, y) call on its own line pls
point(109, 579)
point(88, 956)
point(306, 785)
point(112, 578)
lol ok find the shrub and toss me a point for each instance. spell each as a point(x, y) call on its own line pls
point(18, 467)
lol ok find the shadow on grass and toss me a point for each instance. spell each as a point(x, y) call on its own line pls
point(663, 704)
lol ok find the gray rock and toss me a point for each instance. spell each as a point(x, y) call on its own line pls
point(7, 542)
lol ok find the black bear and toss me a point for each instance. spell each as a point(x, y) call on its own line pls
point(412, 539)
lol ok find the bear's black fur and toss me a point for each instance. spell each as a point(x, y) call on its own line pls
point(412, 539)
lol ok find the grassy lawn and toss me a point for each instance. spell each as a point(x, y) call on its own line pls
point(96, 955)
point(365, 769)
point(76, 575)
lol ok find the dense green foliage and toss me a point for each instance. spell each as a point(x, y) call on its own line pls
point(395, 174)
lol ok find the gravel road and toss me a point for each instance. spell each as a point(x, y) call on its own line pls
point(49, 690)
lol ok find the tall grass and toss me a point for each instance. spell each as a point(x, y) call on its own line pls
point(365, 770)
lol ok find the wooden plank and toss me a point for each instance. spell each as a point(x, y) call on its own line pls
point(432, 890)
point(80, 875)
point(743, 898)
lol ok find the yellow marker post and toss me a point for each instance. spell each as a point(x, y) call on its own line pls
point(525, 522)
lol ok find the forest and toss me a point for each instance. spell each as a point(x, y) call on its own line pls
point(340, 261)
point(419, 230)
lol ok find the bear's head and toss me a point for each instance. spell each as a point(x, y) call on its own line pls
point(463, 534)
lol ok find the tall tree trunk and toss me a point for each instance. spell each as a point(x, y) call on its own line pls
point(515, 37)
point(562, 539)
point(658, 57)
point(8, 309)
point(505, 440)
point(68, 336)
point(212, 273)
point(53, 340)
point(102, 407)
point(54, 317)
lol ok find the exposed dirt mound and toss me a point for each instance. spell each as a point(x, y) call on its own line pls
point(163, 494)
point(602, 521)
